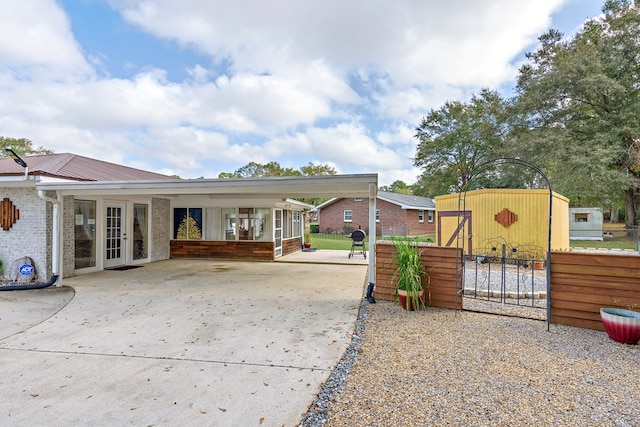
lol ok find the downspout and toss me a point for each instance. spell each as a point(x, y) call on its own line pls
point(55, 242)
point(373, 194)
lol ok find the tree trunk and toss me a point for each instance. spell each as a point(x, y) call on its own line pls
point(630, 206)
point(614, 215)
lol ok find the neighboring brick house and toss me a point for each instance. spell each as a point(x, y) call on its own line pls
point(396, 215)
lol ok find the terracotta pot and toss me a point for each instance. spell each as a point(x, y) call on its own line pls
point(538, 265)
point(413, 305)
point(622, 325)
point(307, 245)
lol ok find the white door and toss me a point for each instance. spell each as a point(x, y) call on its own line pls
point(278, 232)
point(115, 235)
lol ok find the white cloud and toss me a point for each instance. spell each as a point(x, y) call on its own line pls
point(344, 83)
point(36, 36)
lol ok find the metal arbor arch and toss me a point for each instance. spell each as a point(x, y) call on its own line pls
point(462, 196)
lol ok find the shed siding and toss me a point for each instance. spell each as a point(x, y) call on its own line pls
point(530, 206)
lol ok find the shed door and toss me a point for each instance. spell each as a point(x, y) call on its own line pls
point(452, 226)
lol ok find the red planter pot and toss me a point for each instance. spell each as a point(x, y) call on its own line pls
point(412, 303)
point(622, 325)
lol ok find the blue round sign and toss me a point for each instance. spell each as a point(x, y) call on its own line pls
point(26, 269)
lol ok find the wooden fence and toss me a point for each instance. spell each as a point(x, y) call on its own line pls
point(440, 263)
point(582, 283)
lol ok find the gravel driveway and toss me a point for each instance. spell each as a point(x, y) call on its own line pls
point(442, 367)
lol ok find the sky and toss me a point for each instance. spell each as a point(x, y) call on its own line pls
point(198, 87)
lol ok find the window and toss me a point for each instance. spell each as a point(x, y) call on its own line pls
point(85, 233)
point(420, 216)
point(297, 224)
point(187, 223)
point(430, 216)
point(580, 217)
point(348, 216)
point(140, 231)
point(377, 215)
point(357, 199)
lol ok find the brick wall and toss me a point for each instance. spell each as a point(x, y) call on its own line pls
point(29, 236)
point(393, 219)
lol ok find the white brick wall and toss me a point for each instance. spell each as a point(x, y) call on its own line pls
point(31, 234)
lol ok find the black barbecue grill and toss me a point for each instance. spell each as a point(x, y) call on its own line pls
point(357, 241)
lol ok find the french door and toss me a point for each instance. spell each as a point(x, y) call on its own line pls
point(115, 235)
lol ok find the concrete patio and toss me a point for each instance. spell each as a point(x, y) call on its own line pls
point(177, 342)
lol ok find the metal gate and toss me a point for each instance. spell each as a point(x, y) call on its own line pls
point(498, 276)
point(511, 274)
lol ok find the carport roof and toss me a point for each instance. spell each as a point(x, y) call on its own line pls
point(356, 185)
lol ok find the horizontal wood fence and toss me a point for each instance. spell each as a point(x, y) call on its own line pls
point(582, 283)
point(440, 263)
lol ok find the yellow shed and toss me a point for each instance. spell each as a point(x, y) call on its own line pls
point(515, 216)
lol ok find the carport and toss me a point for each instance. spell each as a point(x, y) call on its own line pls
point(274, 189)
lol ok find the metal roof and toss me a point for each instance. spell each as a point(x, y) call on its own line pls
point(77, 168)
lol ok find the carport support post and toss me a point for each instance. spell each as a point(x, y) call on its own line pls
point(373, 194)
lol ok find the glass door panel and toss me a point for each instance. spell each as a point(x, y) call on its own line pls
point(115, 235)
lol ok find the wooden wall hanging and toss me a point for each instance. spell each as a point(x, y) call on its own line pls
point(9, 214)
point(505, 217)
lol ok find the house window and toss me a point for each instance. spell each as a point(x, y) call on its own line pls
point(187, 223)
point(377, 215)
point(348, 216)
point(357, 199)
point(85, 233)
point(580, 217)
point(420, 216)
point(140, 231)
point(223, 224)
point(430, 216)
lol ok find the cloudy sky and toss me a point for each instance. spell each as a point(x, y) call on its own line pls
point(199, 87)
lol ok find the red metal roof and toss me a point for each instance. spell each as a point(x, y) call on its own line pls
point(75, 167)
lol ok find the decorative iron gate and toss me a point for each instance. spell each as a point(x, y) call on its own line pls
point(508, 273)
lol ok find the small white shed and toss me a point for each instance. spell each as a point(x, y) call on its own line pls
point(585, 223)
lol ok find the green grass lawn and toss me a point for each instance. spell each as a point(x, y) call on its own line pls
point(339, 242)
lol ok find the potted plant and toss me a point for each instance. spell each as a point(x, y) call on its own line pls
point(410, 275)
point(307, 239)
point(622, 325)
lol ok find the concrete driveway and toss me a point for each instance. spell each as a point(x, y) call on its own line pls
point(177, 342)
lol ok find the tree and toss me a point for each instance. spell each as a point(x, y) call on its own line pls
point(397, 186)
point(22, 147)
point(458, 137)
point(257, 170)
point(580, 104)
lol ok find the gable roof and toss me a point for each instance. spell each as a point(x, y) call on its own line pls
point(408, 201)
point(76, 168)
point(405, 201)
